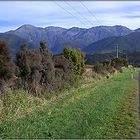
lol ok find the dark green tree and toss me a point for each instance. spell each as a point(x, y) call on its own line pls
point(29, 65)
point(6, 66)
point(48, 70)
point(22, 62)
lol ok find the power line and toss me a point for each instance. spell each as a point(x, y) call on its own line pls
point(85, 18)
point(79, 13)
point(93, 15)
point(90, 12)
point(69, 13)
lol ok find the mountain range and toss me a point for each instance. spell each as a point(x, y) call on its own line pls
point(130, 42)
point(98, 39)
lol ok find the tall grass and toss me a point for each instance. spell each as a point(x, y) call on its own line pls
point(103, 109)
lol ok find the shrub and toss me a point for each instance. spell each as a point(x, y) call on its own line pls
point(76, 57)
point(99, 68)
point(47, 65)
point(6, 66)
point(64, 70)
point(64, 65)
point(28, 67)
point(119, 62)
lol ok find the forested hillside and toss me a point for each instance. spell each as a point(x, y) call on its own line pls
point(129, 43)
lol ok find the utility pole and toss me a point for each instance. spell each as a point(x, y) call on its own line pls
point(117, 52)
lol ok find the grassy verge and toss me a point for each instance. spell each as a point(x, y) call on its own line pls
point(106, 109)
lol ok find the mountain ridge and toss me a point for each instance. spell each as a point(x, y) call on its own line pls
point(130, 42)
point(57, 37)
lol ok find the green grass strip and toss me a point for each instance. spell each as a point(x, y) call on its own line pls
point(107, 109)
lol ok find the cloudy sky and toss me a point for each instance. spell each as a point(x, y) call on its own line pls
point(69, 14)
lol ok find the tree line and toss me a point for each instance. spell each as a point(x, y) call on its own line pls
point(38, 71)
